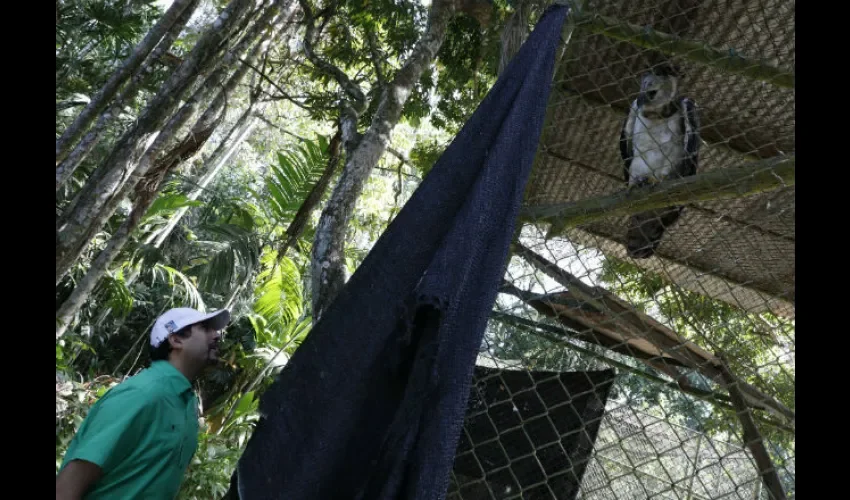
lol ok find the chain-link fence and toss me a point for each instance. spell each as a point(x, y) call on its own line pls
point(638, 455)
point(692, 308)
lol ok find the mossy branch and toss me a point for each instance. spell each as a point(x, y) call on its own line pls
point(724, 60)
point(733, 182)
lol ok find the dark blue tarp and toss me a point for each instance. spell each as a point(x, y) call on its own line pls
point(371, 405)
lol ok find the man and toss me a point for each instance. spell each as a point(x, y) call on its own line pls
point(138, 439)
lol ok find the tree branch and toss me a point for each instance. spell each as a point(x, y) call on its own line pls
point(268, 122)
point(60, 106)
point(404, 160)
point(412, 176)
point(734, 182)
point(398, 154)
point(328, 249)
point(349, 87)
point(376, 56)
point(268, 80)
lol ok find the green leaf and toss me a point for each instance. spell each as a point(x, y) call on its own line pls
point(244, 405)
point(184, 290)
point(293, 177)
point(279, 291)
point(168, 203)
point(115, 293)
point(232, 253)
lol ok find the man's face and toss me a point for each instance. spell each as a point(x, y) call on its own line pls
point(201, 346)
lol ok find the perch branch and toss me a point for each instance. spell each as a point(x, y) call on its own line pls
point(734, 182)
point(648, 38)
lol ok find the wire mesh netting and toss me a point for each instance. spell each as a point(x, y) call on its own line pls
point(642, 456)
point(675, 366)
point(528, 432)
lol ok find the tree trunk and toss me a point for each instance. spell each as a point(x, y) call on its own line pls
point(266, 29)
point(146, 192)
point(97, 200)
point(245, 124)
point(108, 91)
point(243, 128)
point(514, 33)
point(149, 186)
point(69, 164)
point(145, 197)
point(218, 159)
point(214, 164)
point(224, 40)
point(72, 305)
point(752, 437)
point(92, 220)
point(328, 263)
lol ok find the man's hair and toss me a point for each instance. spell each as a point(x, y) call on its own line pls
point(161, 352)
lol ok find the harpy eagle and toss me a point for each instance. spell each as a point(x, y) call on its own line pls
point(659, 141)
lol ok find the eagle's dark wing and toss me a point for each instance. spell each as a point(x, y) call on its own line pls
point(690, 128)
point(626, 149)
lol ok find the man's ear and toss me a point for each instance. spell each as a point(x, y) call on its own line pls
point(176, 341)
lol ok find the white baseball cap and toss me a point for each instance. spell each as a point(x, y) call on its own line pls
point(178, 318)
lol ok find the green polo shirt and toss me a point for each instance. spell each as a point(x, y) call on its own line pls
point(142, 433)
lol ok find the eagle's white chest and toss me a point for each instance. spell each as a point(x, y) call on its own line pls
point(658, 146)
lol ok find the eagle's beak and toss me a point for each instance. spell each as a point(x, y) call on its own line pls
point(644, 97)
point(648, 91)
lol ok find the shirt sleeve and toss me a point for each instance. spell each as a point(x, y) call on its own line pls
point(113, 428)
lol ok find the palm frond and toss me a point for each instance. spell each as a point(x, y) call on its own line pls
point(184, 290)
point(288, 337)
point(234, 211)
point(279, 292)
point(289, 182)
point(233, 254)
point(115, 294)
point(145, 256)
point(168, 203)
